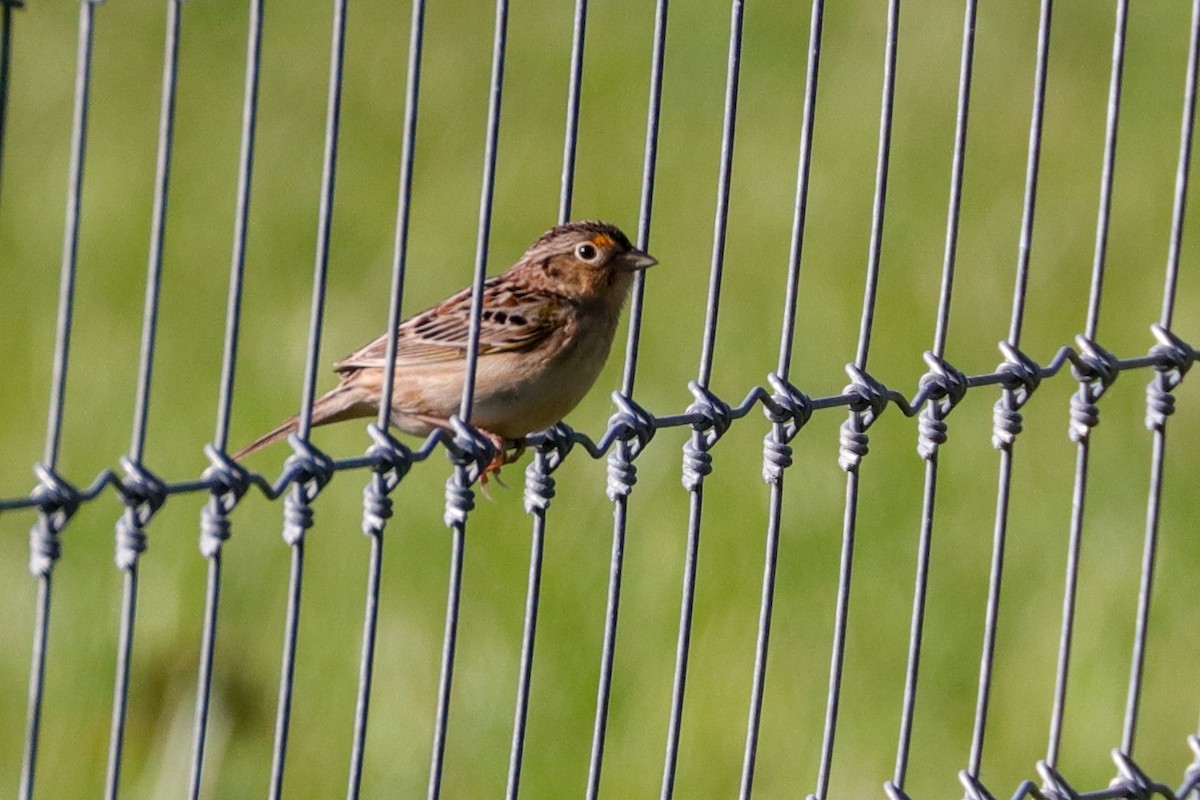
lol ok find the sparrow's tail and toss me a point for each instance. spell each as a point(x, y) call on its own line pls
point(347, 401)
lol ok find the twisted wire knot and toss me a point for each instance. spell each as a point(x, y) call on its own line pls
point(1175, 358)
point(143, 494)
point(974, 789)
point(777, 456)
point(622, 474)
point(716, 417)
point(469, 449)
point(944, 387)
point(633, 424)
point(1020, 376)
point(556, 442)
point(1054, 785)
point(787, 406)
point(57, 501)
point(1095, 368)
point(460, 501)
point(390, 461)
point(697, 464)
point(309, 470)
point(868, 398)
point(1133, 782)
point(634, 427)
point(227, 484)
point(894, 792)
point(377, 506)
point(789, 409)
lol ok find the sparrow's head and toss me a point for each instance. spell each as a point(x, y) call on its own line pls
point(586, 260)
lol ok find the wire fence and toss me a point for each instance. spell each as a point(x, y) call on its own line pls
point(630, 431)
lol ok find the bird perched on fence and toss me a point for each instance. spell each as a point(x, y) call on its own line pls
point(546, 326)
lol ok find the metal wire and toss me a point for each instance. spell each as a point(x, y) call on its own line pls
point(540, 484)
point(6, 28)
point(215, 529)
point(1093, 381)
point(776, 450)
point(933, 428)
point(621, 470)
point(854, 429)
point(1159, 401)
point(43, 563)
point(631, 427)
point(697, 461)
point(297, 512)
point(459, 497)
point(1008, 419)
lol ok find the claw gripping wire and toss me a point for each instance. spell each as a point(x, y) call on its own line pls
point(1020, 376)
point(635, 428)
point(539, 483)
point(390, 460)
point(945, 387)
point(309, 470)
point(143, 494)
point(228, 482)
point(58, 501)
point(716, 417)
point(869, 400)
point(789, 409)
point(1096, 369)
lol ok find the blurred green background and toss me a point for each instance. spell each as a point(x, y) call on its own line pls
point(100, 393)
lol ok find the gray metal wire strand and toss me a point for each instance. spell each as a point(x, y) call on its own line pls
point(62, 345)
point(458, 492)
point(934, 413)
point(702, 439)
point(622, 472)
point(1087, 394)
point(211, 547)
point(6, 28)
point(299, 515)
point(1159, 391)
point(375, 494)
point(141, 404)
point(791, 298)
point(540, 468)
point(1005, 406)
point(850, 519)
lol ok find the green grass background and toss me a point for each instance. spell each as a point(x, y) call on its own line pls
point(100, 393)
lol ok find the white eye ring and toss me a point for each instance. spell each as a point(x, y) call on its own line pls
point(586, 251)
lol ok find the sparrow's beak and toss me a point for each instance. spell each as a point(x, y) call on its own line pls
point(634, 260)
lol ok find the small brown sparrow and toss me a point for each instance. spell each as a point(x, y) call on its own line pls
point(546, 328)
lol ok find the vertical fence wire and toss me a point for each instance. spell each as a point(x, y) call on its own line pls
point(1159, 401)
point(215, 529)
point(1092, 384)
point(44, 544)
point(622, 474)
point(312, 470)
point(6, 28)
point(863, 412)
point(697, 461)
point(948, 389)
point(131, 538)
point(539, 486)
point(392, 457)
point(459, 497)
point(1007, 414)
point(776, 450)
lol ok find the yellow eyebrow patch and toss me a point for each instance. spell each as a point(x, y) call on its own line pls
point(603, 240)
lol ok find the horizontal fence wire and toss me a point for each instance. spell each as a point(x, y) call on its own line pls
point(787, 408)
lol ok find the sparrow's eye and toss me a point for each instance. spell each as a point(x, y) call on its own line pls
point(586, 251)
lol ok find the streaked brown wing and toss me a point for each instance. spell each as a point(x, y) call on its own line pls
point(513, 319)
